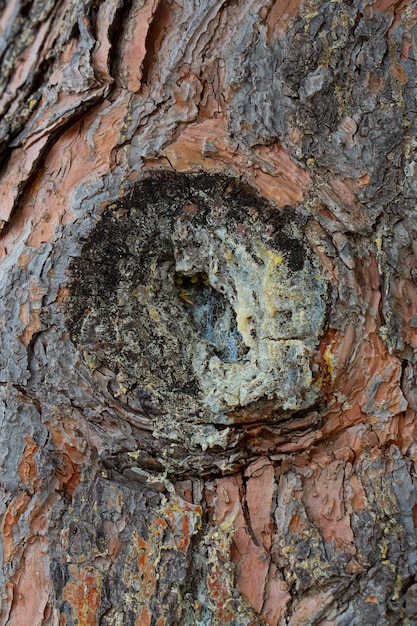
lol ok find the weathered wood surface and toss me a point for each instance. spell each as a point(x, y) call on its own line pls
point(119, 507)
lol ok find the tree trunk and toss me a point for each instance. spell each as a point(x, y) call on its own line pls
point(208, 312)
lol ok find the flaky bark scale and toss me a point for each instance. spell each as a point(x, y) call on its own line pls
point(116, 509)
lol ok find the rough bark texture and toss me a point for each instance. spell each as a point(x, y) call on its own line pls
point(208, 312)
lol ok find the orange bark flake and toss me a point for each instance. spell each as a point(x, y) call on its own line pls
point(133, 49)
point(252, 561)
point(205, 143)
point(297, 525)
point(324, 500)
point(324, 362)
point(219, 593)
point(252, 564)
point(259, 494)
point(144, 617)
point(71, 478)
point(140, 567)
point(365, 377)
point(32, 319)
point(32, 587)
point(13, 513)
point(49, 205)
point(277, 597)
point(62, 295)
point(27, 467)
point(280, 15)
point(83, 592)
point(372, 599)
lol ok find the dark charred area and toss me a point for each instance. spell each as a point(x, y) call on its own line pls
point(149, 288)
point(138, 315)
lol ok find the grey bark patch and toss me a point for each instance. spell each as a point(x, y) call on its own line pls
point(329, 91)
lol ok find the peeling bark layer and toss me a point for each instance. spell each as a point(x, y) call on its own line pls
point(123, 500)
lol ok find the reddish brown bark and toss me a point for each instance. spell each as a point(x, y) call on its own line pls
point(112, 514)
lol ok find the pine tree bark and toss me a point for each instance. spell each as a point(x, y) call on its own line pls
point(208, 312)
